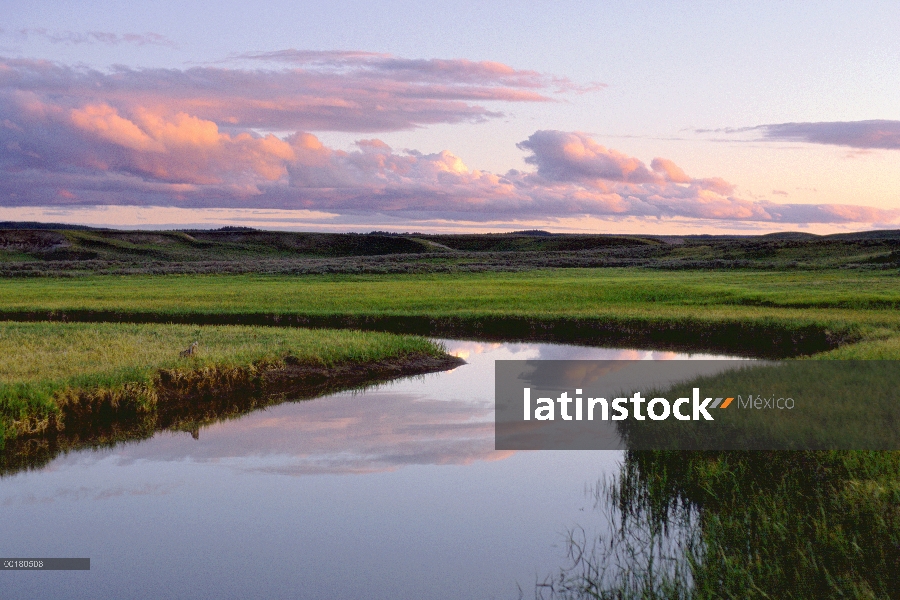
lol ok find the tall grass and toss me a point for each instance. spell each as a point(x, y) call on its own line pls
point(787, 525)
point(694, 306)
point(45, 364)
point(563, 291)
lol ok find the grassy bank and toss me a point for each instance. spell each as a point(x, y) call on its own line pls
point(797, 312)
point(792, 523)
point(62, 378)
point(694, 525)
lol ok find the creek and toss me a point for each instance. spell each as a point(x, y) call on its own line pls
point(392, 492)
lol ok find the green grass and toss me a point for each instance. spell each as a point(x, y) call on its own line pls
point(855, 305)
point(569, 292)
point(792, 525)
point(40, 363)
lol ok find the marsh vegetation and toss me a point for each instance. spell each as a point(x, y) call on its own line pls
point(759, 313)
point(707, 525)
point(76, 385)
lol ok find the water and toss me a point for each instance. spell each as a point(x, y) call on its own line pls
point(392, 493)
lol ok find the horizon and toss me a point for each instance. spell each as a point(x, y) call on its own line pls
point(57, 226)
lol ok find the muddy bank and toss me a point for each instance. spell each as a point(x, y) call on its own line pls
point(180, 400)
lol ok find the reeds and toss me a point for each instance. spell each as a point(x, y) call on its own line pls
point(709, 525)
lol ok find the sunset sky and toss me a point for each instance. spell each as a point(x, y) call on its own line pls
point(645, 117)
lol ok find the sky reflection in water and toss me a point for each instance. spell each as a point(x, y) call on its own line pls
point(395, 492)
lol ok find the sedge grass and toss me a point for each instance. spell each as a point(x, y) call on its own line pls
point(563, 291)
point(850, 304)
point(40, 363)
point(694, 525)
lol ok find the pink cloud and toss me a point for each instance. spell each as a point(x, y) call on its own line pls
point(669, 170)
point(191, 138)
point(334, 92)
point(179, 149)
point(866, 135)
point(486, 73)
point(148, 159)
point(565, 156)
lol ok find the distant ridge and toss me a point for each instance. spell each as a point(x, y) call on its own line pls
point(37, 225)
point(875, 234)
point(31, 249)
point(534, 232)
point(789, 235)
point(227, 229)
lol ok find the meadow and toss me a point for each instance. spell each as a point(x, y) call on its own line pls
point(765, 313)
point(761, 524)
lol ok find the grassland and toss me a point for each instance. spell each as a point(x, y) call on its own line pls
point(571, 292)
point(746, 312)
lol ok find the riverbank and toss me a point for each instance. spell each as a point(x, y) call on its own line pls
point(77, 384)
point(752, 313)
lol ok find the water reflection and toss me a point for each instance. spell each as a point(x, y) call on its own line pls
point(436, 419)
point(395, 492)
point(375, 431)
point(531, 351)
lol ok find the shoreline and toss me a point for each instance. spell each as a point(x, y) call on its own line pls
point(187, 399)
point(756, 338)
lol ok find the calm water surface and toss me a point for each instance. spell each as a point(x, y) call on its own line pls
point(395, 492)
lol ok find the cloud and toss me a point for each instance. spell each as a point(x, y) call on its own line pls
point(94, 155)
point(102, 37)
point(865, 135)
point(563, 156)
point(200, 138)
point(458, 71)
point(331, 92)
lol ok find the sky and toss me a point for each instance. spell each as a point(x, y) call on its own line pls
point(600, 117)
